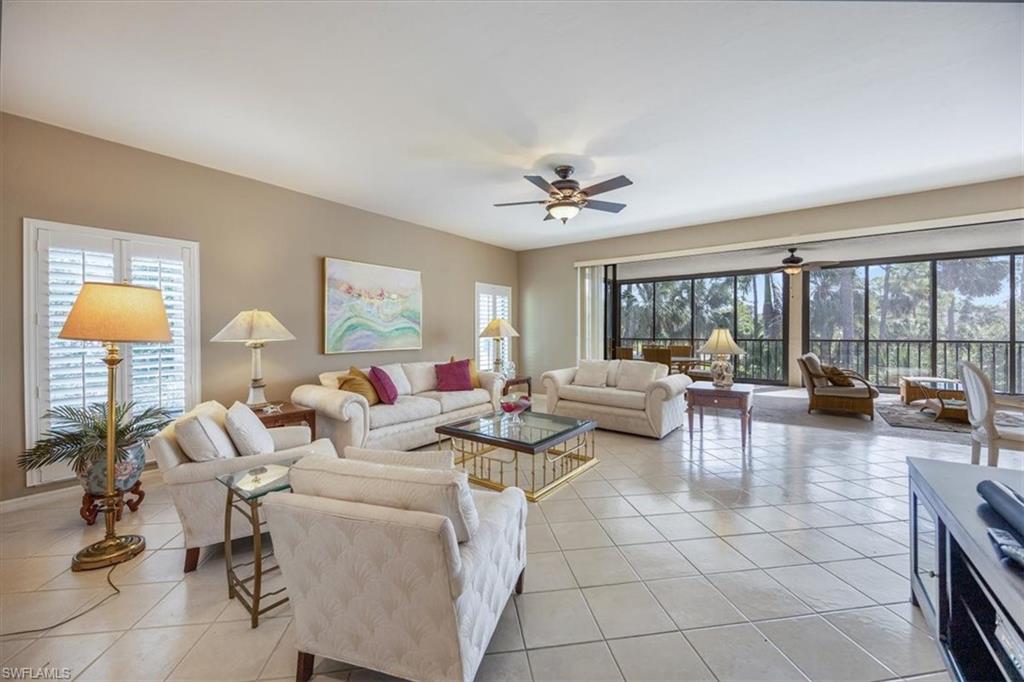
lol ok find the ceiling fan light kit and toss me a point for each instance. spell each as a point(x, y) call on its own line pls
point(566, 199)
point(793, 264)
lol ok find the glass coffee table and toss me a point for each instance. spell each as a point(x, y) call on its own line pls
point(944, 397)
point(534, 451)
point(248, 488)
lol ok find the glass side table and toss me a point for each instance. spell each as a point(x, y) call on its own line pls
point(245, 495)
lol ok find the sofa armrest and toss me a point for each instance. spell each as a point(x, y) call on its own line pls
point(493, 383)
point(668, 387)
point(290, 436)
point(332, 402)
point(198, 472)
point(556, 378)
point(427, 459)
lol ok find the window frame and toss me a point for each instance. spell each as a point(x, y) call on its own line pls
point(490, 289)
point(691, 279)
point(1013, 253)
point(122, 242)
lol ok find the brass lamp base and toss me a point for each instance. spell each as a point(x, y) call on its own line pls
point(107, 552)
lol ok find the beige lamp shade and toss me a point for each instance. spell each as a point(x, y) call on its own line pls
point(497, 329)
point(254, 326)
point(117, 313)
point(721, 343)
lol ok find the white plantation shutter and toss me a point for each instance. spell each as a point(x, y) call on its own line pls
point(159, 371)
point(58, 260)
point(492, 301)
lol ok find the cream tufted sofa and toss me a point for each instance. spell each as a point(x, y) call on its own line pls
point(655, 412)
point(199, 497)
point(347, 419)
point(391, 589)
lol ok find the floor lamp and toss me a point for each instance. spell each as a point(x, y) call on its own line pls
point(113, 314)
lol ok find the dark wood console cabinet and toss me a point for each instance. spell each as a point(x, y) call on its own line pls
point(971, 598)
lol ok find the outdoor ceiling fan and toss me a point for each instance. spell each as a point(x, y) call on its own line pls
point(794, 264)
point(566, 198)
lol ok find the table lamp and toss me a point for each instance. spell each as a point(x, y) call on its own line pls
point(113, 314)
point(254, 328)
point(721, 345)
point(498, 329)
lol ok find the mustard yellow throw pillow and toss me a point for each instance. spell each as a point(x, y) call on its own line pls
point(357, 382)
point(474, 377)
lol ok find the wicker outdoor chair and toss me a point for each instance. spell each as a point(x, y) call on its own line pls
point(823, 395)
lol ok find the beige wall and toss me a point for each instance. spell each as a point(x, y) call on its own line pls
point(260, 246)
point(547, 292)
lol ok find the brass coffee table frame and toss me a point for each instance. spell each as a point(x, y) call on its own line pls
point(558, 460)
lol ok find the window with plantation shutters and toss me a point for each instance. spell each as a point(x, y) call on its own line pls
point(59, 258)
point(492, 301)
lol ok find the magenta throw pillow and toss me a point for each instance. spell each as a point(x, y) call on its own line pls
point(454, 376)
point(383, 385)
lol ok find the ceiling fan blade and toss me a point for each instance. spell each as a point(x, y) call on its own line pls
point(608, 206)
point(541, 183)
point(549, 217)
point(607, 185)
point(819, 264)
point(522, 203)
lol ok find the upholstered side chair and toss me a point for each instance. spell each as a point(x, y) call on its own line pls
point(982, 405)
point(384, 587)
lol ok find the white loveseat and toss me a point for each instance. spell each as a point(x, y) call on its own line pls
point(347, 419)
point(385, 587)
point(199, 497)
point(656, 410)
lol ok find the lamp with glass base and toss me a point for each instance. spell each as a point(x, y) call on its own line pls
point(113, 314)
point(721, 345)
point(498, 329)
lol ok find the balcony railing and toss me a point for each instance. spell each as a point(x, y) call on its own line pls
point(888, 360)
point(764, 361)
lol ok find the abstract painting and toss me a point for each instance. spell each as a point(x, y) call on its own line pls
point(371, 307)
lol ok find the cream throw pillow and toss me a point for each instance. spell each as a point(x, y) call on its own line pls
point(636, 375)
point(201, 434)
point(249, 434)
point(427, 490)
point(592, 373)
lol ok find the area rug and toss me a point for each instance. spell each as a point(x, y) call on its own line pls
point(911, 417)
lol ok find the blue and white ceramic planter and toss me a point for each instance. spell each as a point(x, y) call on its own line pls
point(126, 472)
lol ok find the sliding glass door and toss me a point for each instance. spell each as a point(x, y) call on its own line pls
point(683, 312)
point(920, 317)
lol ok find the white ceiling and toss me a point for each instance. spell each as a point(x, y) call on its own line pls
point(431, 112)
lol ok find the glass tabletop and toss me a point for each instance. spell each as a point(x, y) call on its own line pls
point(250, 484)
point(940, 383)
point(534, 427)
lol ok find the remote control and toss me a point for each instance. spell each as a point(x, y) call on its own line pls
point(1008, 545)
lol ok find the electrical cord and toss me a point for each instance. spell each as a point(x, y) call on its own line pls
point(98, 604)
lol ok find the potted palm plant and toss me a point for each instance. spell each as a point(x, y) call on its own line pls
point(78, 437)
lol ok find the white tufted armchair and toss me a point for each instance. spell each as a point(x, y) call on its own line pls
point(198, 496)
point(391, 589)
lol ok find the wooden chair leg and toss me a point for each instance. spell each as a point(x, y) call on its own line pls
point(993, 454)
point(191, 559)
point(304, 668)
point(519, 582)
point(975, 452)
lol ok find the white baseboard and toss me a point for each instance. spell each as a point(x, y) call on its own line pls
point(37, 499)
point(71, 492)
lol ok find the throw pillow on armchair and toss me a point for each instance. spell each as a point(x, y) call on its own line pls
point(836, 377)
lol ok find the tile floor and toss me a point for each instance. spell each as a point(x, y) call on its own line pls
point(669, 561)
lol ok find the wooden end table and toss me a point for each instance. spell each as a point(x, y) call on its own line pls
point(518, 381)
point(287, 414)
point(701, 394)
